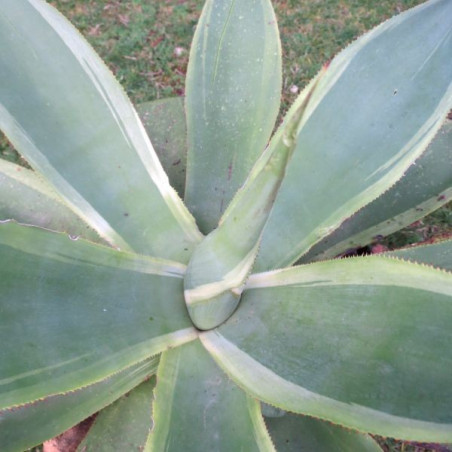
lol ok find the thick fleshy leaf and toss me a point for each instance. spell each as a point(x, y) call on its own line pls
point(29, 425)
point(425, 187)
point(197, 407)
point(74, 124)
point(219, 266)
point(304, 434)
point(233, 94)
point(28, 199)
point(363, 343)
point(164, 121)
point(124, 425)
point(437, 254)
point(372, 115)
point(79, 312)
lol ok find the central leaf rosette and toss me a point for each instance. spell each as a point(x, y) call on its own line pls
point(219, 266)
point(211, 292)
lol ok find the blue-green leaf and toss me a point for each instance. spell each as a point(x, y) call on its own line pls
point(197, 407)
point(29, 425)
point(219, 266)
point(164, 121)
point(380, 103)
point(233, 93)
point(349, 341)
point(75, 125)
point(306, 434)
point(437, 254)
point(426, 186)
point(74, 313)
point(27, 198)
point(124, 425)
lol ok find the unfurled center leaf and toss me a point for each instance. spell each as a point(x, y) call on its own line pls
point(220, 265)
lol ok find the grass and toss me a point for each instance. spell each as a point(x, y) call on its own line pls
point(146, 44)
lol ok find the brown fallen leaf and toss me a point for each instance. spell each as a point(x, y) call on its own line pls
point(94, 31)
point(124, 19)
point(69, 440)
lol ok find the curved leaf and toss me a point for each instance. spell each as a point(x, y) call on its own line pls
point(232, 99)
point(74, 124)
point(219, 266)
point(437, 254)
point(363, 343)
point(28, 199)
point(425, 187)
point(164, 121)
point(80, 312)
point(124, 425)
point(29, 425)
point(373, 114)
point(304, 434)
point(198, 408)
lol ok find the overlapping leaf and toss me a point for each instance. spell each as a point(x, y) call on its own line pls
point(28, 199)
point(303, 434)
point(74, 124)
point(438, 254)
point(79, 312)
point(370, 119)
point(124, 425)
point(233, 93)
point(164, 121)
point(348, 341)
point(425, 187)
point(197, 406)
point(219, 266)
point(29, 425)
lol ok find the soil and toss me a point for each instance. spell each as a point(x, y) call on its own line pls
point(70, 439)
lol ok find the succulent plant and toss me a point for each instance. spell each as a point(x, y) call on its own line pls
point(224, 321)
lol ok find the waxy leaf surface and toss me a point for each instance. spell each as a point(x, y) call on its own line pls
point(219, 266)
point(164, 121)
point(233, 92)
point(74, 124)
point(30, 425)
point(437, 254)
point(373, 114)
point(124, 425)
point(27, 198)
point(196, 405)
point(425, 187)
point(348, 341)
point(304, 434)
point(81, 312)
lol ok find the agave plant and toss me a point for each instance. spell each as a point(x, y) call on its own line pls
point(189, 315)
